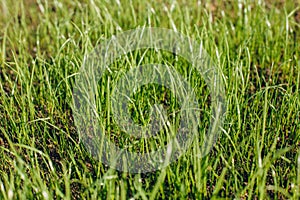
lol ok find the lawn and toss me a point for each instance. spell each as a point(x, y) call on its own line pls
point(254, 44)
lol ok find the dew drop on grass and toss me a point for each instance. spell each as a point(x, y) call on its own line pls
point(10, 193)
point(45, 195)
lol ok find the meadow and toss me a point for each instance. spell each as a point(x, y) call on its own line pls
point(255, 44)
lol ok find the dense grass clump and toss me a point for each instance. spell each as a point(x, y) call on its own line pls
point(256, 45)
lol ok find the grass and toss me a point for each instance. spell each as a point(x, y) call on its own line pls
point(255, 43)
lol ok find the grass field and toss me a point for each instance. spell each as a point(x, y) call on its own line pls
point(256, 44)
